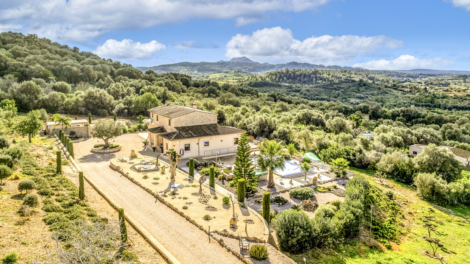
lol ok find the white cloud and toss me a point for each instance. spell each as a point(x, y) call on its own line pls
point(460, 3)
point(128, 49)
point(9, 27)
point(278, 44)
point(185, 45)
point(405, 62)
point(81, 20)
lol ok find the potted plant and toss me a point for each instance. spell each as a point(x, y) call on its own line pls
point(154, 149)
point(145, 142)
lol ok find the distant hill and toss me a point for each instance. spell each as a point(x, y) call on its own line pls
point(241, 59)
point(244, 64)
point(435, 72)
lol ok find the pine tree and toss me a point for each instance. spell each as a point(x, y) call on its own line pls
point(266, 203)
point(122, 224)
point(191, 167)
point(212, 177)
point(59, 162)
point(241, 190)
point(81, 188)
point(244, 168)
point(89, 118)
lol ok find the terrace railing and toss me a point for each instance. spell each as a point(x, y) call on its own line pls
point(220, 152)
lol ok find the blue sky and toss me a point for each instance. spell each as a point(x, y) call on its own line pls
point(398, 34)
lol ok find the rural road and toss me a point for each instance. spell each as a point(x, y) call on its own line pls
point(182, 239)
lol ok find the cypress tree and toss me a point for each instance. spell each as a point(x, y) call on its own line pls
point(244, 168)
point(266, 203)
point(60, 135)
point(191, 167)
point(115, 117)
point(241, 190)
point(70, 147)
point(89, 118)
point(122, 223)
point(59, 162)
point(212, 177)
point(81, 188)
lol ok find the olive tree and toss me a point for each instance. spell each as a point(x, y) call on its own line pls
point(30, 124)
point(107, 129)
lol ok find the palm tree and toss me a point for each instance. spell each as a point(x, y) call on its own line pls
point(305, 167)
point(271, 158)
point(61, 120)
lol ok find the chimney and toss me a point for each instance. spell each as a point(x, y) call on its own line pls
point(194, 106)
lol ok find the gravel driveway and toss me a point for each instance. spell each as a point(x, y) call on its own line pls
point(182, 239)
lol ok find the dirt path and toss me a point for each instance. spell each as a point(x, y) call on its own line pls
point(184, 241)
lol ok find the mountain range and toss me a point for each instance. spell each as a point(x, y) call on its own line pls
point(244, 64)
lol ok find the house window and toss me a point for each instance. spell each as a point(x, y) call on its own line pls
point(415, 153)
point(206, 143)
point(235, 141)
point(187, 147)
point(169, 122)
point(157, 118)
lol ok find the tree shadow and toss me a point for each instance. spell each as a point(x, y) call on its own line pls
point(18, 196)
point(245, 211)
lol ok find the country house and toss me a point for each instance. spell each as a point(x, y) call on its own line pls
point(191, 132)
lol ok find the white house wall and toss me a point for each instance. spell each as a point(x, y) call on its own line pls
point(215, 143)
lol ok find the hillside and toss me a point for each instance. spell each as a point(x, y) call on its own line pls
point(203, 69)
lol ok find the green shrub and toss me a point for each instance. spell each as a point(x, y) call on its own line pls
point(114, 146)
point(52, 208)
point(326, 211)
point(98, 146)
point(226, 200)
point(53, 218)
point(4, 142)
point(128, 256)
point(336, 203)
point(10, 258)
point(60, 198)
point(67, 203)
point(122, 225)
point(90, 212)
point(47, 201)
point(389, 194)
point(74, 213)
point(26, 185)
point(279, 200)
point(185, 207)
point(145, 177)
point(31, 200)
point(207, 217)
point(5, 159)
point(293, 230)
point(334, 186)
point(303, 193)
point(231, 184)
point(5, 172)
point(258, 252)
point(45, 192)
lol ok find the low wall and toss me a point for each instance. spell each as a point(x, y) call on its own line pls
point(79, 131)
point(109, 150)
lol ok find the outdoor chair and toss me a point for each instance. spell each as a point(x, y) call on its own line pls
point(244, 245)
